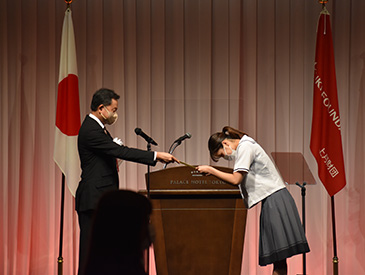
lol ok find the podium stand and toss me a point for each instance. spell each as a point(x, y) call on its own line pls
point(199, 221)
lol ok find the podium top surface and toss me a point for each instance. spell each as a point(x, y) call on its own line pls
point(186, 178)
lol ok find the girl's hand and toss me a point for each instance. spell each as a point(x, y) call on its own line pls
point(204, 169)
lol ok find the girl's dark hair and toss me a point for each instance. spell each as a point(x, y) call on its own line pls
point(103, 96)
point(215, 140)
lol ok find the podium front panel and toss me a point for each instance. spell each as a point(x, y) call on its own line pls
point(199, 222)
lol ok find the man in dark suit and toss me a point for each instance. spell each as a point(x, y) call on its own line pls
point(98, 155)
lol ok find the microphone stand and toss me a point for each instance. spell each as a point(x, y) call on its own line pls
point(148, 196)
point(172, 149)
point(149, 141)
point(303, 188)
point(148, 172)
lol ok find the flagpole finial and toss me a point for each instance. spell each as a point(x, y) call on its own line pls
point(323, 2)
point(68, 2)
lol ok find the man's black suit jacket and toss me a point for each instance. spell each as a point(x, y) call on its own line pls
point(98, 154)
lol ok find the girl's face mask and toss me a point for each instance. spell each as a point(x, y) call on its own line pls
point(232, 156)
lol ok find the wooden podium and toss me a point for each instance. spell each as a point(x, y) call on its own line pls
point(199, 222)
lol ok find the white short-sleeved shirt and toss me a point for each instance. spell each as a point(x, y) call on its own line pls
point(262, 178)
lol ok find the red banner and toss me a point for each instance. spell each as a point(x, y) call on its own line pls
point(326, 143)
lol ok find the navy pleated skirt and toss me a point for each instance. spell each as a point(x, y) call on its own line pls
point(281, 230)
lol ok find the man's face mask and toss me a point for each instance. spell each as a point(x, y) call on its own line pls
point(112, 117)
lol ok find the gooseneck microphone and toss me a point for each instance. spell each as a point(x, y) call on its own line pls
point(139, 132)
point(177, 143)
point(180, 139)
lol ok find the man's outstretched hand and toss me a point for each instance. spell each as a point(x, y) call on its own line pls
point(166, 157)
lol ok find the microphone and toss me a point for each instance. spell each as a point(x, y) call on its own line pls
point(139, 132)
point(177, 143)
point(180, 139)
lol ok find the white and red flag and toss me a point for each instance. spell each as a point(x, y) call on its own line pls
point(68, 108)
point(326, 143)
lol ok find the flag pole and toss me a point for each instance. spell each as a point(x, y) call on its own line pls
point(60, 258)
point(335, 258)
point(334, 238)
